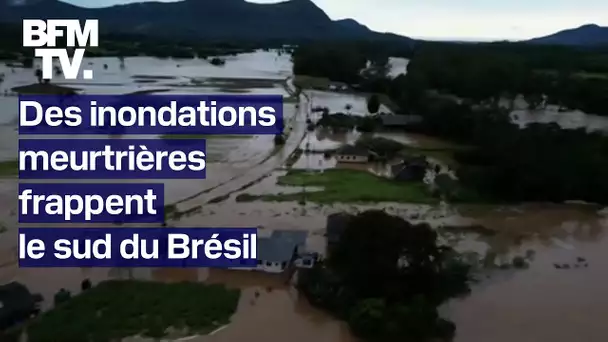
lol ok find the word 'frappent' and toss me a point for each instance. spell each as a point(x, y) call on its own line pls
point(44, 33)
point(87, 205)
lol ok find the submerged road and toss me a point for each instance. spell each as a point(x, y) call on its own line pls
point(278, 158)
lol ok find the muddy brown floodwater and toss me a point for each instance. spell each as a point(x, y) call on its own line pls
point(561, 297)
point(278, 313)
point(540, 303)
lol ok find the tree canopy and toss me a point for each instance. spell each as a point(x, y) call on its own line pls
point(465, 93)
point(386, 277)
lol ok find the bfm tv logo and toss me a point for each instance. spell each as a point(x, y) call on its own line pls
point(39, 33)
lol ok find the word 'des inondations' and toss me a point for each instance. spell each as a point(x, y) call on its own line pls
point(44, 33)
point(134, 247)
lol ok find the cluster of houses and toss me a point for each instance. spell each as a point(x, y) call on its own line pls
point(411, 168)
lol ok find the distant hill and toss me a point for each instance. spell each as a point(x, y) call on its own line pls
point(587, 35)
point(237, 20)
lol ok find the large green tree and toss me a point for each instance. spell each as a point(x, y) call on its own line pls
point(386, 277)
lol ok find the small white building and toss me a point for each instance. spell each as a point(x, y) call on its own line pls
point(352, 154)
point(282, 249)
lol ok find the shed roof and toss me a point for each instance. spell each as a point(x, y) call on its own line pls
point(280, 245)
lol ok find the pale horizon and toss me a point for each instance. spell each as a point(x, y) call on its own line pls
point(467, 20)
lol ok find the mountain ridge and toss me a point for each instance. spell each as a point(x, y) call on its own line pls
point(292, 20)
point(585, 35)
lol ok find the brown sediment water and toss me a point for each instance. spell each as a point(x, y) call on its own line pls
point(561, 297)
point(541, 303)
point(270, 310)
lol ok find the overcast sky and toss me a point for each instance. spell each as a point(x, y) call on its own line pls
point(455, 19)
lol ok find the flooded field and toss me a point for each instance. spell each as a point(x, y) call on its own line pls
point(337, 102)
point(569, 119)
point(228, 157)
point(398, 66)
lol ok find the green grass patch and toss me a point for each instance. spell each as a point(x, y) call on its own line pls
point(203, 136)
point(347, 186)
point(171, 212)
point(595, 75)
point(117, 309)
point(291, 99)
point(9, 168)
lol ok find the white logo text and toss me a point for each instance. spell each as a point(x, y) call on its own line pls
point(44, 33)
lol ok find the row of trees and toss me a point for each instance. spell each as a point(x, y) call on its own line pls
point(345, 62)
point(541, 162)
point(571, 78)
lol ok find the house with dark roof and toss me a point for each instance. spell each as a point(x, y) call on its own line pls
point(399, 121)
point(352, 154)
point(282, 249)
point(17, 304)
point(410, 169)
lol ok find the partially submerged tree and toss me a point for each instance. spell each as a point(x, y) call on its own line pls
point(279, 139)
point(217, 61)
point(373, 104)
point(85, 285)
point(38, 74)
